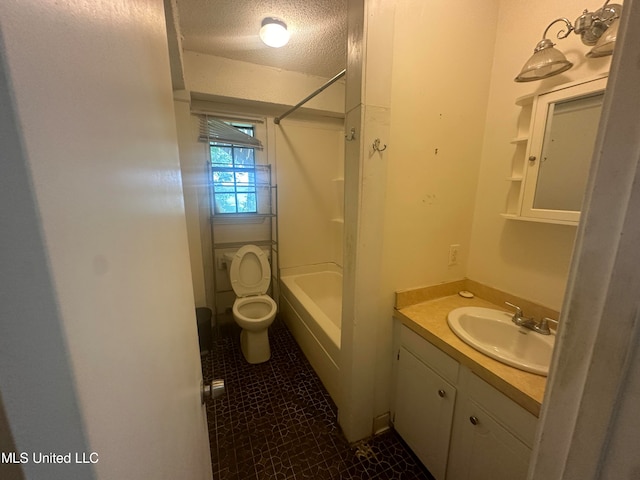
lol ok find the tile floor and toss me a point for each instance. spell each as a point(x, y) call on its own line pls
point(276, 421)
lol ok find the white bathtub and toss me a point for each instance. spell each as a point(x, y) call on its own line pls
point(311, 306)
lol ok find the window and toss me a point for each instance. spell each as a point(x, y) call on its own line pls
point(233, 170)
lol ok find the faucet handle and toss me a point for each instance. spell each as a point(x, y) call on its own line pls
point(543, 326)
point(517, 308)
point(546, 320)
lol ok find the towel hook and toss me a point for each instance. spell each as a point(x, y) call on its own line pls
point(351, 136)
point(376, 146)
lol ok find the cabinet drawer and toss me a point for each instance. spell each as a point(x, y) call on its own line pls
point(439, 361)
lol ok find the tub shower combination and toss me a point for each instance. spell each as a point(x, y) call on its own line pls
point(311, 306)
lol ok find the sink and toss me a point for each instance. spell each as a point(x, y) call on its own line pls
point(493, 333)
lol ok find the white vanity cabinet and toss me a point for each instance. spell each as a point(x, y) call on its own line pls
point(425, 399)
point(459, 426)
point(492, 436)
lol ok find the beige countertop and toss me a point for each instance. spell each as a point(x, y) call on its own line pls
point(429, 320)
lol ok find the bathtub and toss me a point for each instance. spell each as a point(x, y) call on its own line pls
point(311, 306)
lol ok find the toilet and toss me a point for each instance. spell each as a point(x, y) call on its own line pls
point(253, 310)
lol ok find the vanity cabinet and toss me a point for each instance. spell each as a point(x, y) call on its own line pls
point(425, 400)
point(492, 436)
point(459, 426)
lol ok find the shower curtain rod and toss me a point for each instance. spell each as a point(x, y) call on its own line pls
point(299, 104)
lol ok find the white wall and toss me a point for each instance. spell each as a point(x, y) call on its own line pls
point(98, 334)
point(310, 158)
point(525, 259)
point(192, 166)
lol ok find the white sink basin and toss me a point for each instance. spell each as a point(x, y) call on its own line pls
point(493, 333)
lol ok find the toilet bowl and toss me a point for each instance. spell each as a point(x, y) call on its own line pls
point(253, 310)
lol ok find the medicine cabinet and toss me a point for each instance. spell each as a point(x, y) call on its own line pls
point(554, 147)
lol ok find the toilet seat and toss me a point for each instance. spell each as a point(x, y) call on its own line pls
point(250, 273)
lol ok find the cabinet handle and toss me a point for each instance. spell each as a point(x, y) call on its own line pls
point(442, 393)
point(474, 420)
point(532, 158)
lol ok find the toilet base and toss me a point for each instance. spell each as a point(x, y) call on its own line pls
point(255, 346)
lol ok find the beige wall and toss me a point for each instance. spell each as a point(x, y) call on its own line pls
point(438, 103)
point(438, 106)
point(525, 259)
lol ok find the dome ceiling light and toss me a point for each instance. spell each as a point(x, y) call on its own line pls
point(274, 33)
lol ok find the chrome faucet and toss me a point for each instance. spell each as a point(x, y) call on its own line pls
point(530, 323)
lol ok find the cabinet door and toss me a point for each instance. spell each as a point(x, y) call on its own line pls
point(424, 412)
point(482, 449)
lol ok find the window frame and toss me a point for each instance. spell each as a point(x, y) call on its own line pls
point(258, 154)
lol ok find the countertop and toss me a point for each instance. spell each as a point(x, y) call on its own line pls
point(429, 320)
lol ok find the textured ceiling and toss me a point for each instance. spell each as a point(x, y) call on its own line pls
point(229, 28)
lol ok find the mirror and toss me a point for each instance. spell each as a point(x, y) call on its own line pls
point(564, 127)
point(567, 147)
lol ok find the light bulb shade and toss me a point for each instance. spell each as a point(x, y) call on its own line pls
point(274, 32)
point(545, 62)
point(606, 43)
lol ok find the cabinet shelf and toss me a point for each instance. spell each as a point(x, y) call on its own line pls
point(520, 139)
point(525, 100)
point(513, 216)
point(245, 216)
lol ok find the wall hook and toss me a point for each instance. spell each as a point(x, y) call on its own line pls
point(351, 135)
point(376, 146)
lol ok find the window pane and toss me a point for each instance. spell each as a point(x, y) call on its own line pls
point(245, 178)
point(220, 177)
point(247, 202)
point(243, 157)
point(225, 203)
point(222, 156)
point(246, 130)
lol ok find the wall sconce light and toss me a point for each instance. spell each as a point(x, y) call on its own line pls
point(274, 33)
point(597, 29)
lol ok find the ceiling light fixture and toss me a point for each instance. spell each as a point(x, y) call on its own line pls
point(597, 29)
point(274, 33)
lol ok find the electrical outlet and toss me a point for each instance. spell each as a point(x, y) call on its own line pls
point(453, 254)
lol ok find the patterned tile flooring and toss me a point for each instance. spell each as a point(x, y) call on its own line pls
point(276, 421)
